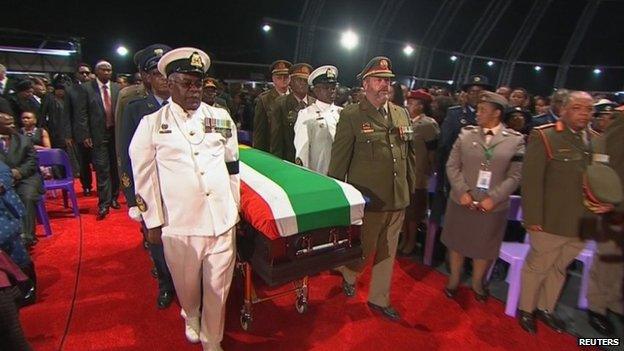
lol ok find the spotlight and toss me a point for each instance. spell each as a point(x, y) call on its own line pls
point(490, 63)
point(537, 68)
point(449, 82)
point(597, 71)
point(266, 28)
point(122, 51)
point(408, 50)
point(349, 40)
point(453, 58)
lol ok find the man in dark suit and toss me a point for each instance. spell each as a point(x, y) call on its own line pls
point(285, 110)
point(556, 103)
point(95, 129)
point(73, 95)
point(17, 152)
point(156, 85)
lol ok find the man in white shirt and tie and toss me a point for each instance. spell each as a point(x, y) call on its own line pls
point(184, 156)
point(315, 127)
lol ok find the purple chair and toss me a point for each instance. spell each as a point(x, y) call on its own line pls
point(58, 157)
point(42, 217)
point(587, 257)
point(244, 137)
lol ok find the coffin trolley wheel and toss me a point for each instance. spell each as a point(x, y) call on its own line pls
point(245, 320)
point(301, 304)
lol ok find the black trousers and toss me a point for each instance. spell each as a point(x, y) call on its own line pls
point(11, 335)
point(83, 154)
point(30, 194)
point(105, 163)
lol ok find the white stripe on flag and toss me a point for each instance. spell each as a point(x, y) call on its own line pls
point(275, 196)
point(356, 202)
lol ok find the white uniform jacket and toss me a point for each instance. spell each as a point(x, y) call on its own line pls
point(187, 179)
point(314, 134)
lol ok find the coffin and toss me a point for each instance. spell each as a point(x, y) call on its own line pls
point(296, 222)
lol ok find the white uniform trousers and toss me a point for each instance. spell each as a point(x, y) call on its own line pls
point(210, 260)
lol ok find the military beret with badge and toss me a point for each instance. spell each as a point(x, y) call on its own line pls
point(379, 66)
point(300, 70)
point(184, 60)
point(280, 67)
point(419, 94)
point(147, 59)
point(324, 74)
point(477, 80)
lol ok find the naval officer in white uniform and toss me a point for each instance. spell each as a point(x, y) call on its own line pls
point(316, 124)
point(185, 166)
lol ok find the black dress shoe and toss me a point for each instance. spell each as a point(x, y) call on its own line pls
point(387, 311)
point(115, 204)
point(102, 212)
point(165, 298)
point(154, 272)
point(551, 320)
point(600, 323)
point(450, 293)
point(527, 322)
point(87, 192)
point(348, 289)
point(482, 297)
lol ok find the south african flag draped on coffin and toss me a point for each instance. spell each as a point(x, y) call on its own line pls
point(280, 199)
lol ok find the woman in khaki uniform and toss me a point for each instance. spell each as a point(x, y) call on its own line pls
point(483, 169)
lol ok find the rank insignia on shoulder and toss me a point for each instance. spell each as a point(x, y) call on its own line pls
point(367, 128)
point(125, 180)
point(545, 126)
point(141, 203)
point(463, 121)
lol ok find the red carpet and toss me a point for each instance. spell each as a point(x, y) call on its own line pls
point(114, 307)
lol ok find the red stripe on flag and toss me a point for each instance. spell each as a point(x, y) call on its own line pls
point(257, 212)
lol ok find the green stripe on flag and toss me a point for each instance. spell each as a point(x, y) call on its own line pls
point(318, 201)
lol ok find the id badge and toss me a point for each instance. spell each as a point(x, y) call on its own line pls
point(483, 182)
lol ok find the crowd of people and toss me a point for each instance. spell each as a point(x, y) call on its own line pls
point(169, 142)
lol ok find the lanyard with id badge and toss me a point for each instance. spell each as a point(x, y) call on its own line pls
point(485, 175)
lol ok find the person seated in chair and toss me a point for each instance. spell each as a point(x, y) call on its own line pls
point(11, 213)
point(17, 152)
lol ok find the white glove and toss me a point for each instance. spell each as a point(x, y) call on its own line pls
point(135, 214)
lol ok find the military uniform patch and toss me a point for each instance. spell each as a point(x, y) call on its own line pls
point(367, 128)
point(141, 203)
point(196, 60)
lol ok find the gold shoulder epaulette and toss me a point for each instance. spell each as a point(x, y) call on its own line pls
point(545, 126)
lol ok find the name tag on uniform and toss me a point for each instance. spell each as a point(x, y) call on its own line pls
point(164, 129)
point(483, 182)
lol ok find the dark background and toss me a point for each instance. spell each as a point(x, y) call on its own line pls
point(231, 31)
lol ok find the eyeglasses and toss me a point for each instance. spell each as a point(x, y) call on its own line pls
point(187, 84)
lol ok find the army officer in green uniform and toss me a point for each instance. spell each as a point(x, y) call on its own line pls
point(370, 151)
point(552, 201)
point(264, 104)
point(285, 111)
